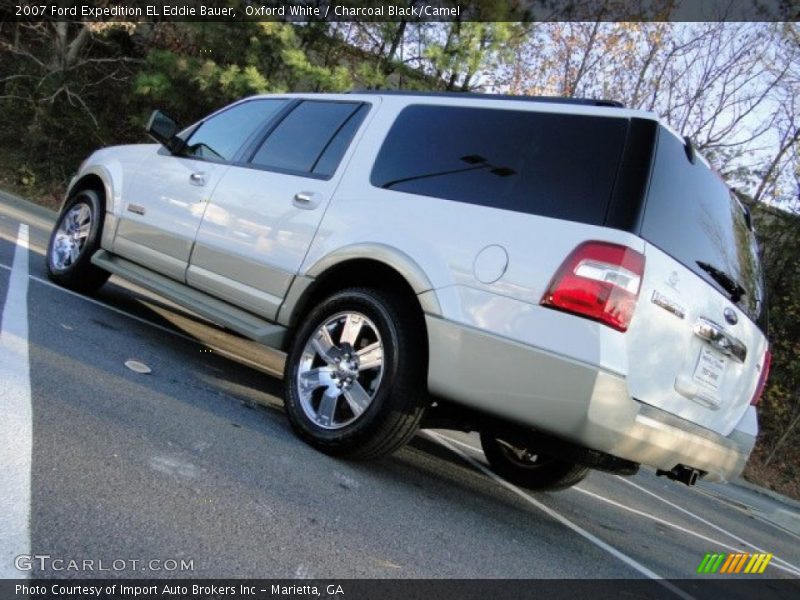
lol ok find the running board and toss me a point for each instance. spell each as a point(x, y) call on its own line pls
point(219, 311)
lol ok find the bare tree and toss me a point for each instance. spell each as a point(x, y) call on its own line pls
point(731, 87)
point(48, 61)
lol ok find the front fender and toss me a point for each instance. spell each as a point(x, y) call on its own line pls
point(113, 199)
point(111, 165)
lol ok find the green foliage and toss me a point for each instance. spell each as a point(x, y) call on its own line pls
point(25, 176)
point(61, 94)
point(175, 82)
point(305, 74)
point(371, 76)
point(82, 85)
point(221, 66)
point(458, 53)
point(779, 234)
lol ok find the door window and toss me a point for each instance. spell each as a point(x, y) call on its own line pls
point(222, 135)
point(311, 139)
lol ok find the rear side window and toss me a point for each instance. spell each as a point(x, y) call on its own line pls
point(311, 139)
point(220, 136)
point(332, 154)
point(692, 216)
point(555, 165)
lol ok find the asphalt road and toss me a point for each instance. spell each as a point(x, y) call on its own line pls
point(196, 461)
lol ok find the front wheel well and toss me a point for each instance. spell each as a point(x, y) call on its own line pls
point(361, 273)
point(90, 182)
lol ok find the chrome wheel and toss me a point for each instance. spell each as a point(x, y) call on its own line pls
point(340, 370)
point(354, 380)
point(70, 238)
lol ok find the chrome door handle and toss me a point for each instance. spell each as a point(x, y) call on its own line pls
point(720, 340)
point(306, 200)
point(198, 178)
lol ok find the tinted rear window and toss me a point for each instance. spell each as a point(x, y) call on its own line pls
point(693, 216)
point(554, 165)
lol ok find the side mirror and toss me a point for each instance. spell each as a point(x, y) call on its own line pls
point(163, 129)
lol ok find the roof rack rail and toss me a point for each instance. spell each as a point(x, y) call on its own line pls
point(550, 99)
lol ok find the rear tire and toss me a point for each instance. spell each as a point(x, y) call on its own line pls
point(355, 375)
point(526, 468)
point(75, 238)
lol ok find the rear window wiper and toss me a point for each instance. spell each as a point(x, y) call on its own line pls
point(728, 283)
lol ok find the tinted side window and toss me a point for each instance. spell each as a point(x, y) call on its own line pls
point(332, 155)
point(301, 138)
point(692, 216)
point(221, 136)
point(554, 165)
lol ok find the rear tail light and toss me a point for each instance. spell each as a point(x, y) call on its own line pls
point(598, 281)
point(762, 378)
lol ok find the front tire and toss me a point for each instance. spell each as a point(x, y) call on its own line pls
point(354, 376)
point(75, 237)
point(528, 468)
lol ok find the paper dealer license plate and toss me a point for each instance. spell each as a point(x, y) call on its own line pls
point(710, 368)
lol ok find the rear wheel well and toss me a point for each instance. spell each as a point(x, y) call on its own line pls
point(361, 273)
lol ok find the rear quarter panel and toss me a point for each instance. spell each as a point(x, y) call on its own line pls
point(445, 238)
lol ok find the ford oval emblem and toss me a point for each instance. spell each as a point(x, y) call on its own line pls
point(730, 316)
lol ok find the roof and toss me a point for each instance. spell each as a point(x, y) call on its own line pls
point(476, 95)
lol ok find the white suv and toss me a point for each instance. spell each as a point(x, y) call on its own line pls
point(567, 277)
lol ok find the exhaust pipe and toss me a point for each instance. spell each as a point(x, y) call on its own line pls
point(681, 473)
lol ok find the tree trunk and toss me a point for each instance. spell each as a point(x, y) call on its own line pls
point(388, 67)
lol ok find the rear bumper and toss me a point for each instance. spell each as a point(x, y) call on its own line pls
point(572, 400)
